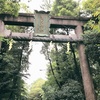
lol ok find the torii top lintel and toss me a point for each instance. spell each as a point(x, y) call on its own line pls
point(26, 19)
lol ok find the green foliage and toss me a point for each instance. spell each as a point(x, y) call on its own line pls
point(12, 65)
point(13, 61)
point(92, 30)
point(92, 8)
point(91, 36)
point(16, 28)
point(36, 91)
point(9, 7)
point(50, 92)
point(71, 90)
point(4, 40)
point(66, 74)
point(11, 68)
point(65, 7)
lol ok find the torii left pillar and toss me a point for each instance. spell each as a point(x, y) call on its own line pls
point(87, 79)
point(2, 28)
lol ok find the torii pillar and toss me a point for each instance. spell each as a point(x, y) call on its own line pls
point(87, 79)
point(2, 28)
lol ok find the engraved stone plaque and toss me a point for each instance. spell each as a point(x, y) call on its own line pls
point(41, 23)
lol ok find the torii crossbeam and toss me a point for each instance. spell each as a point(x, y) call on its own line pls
point(25, 19)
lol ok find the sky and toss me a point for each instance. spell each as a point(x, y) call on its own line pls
point(38, 64)
point(33, 4)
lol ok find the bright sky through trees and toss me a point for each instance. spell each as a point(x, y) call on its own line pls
point(33, 4)
point(37, 68)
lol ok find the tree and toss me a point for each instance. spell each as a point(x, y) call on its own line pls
point(47, 5)
point(92, 8)
point(36, 91)
point(65, 8)
point(12, 65)
point(13, 61)
point(8, 6)
point(65, 73)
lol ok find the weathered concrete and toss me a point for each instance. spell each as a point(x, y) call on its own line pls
point(53, 38)
point(25, 19)
point(21, 20)
point(87, 80)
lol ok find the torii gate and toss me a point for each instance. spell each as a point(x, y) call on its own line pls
point(25, 19)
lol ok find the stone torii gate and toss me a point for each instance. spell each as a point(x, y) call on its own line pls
point(55, 22)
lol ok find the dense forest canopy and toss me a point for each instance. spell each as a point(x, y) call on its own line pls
point(64, 79)
point(9, 7)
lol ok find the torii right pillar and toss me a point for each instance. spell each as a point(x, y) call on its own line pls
point(87, 79)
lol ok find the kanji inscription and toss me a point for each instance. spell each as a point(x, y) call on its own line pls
point(41, 24)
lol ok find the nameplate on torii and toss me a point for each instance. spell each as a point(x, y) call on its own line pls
point(41, 23)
